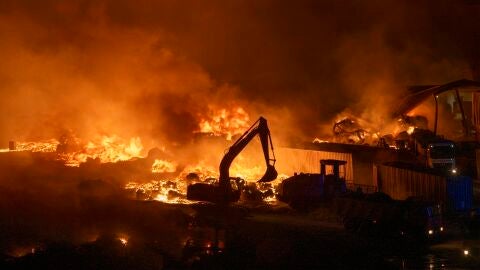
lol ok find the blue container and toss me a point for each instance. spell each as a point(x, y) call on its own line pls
point(459, 193)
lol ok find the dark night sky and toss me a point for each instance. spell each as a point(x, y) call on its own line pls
point(150, 68)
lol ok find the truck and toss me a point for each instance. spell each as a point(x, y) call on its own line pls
point(308, 190)
point(414, 202)
point(434, 151)
point(362, 208)
point(377, 214)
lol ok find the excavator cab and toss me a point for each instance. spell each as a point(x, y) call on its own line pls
point(213, 193)
point(223, 193)
point(304, 191)
point(333, 173)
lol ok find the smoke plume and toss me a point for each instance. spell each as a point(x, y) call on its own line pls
point(152, 68)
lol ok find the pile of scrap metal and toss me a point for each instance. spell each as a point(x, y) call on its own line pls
point(406, 128)
point(453, 104)
point(357, 131)
point(348, 130)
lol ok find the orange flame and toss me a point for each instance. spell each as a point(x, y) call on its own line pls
point(174, 191)
point(123, 240)
point(226, 122)
point(40, 146)
point(161, 166)
point(104, 148)
point(355, 130)
point(410, 130)
point(229, 122)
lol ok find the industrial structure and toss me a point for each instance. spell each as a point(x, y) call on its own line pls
point(436, 160)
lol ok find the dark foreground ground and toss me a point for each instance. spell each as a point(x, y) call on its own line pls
point(54, 217)
point(110, 232)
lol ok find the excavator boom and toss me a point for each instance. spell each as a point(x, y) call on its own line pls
point(223, 193)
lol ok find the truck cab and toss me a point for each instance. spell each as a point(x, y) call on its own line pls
point(435, 151)
point(304, 191)
point(441, 155)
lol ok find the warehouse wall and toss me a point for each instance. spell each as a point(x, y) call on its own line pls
point(400, 183)
point(360, 159)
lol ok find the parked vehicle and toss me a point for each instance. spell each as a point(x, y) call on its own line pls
point(379, 215)
point(307, 190)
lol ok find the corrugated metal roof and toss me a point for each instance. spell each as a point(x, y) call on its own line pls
point(418, 94)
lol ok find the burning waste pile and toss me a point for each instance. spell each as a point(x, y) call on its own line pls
point(157, 175)
point(424, 136)
point(72, 151)
point(396, 134)
point(98, 199)
point(200, 182)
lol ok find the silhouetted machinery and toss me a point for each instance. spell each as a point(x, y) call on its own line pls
point(306, 190)
point(226, 190)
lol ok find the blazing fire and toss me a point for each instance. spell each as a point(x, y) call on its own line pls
point(169, 178)
point(201, 171)
point(168, 191)
point(123, 240)
point(354, 130)
point(41, 146)
point(317, 140)
point(104, 148)
point(173, 191)
point(161, 166)
point(247, 173)
point(23, 251)
point(228, 122)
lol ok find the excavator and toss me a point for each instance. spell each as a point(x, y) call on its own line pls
point(223, 192)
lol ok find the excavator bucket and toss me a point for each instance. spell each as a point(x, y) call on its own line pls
point(270, 174)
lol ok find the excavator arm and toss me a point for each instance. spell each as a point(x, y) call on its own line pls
point(223, 193)
point(259, 128)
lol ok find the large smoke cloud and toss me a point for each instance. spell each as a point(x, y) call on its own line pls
point(149, 68)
